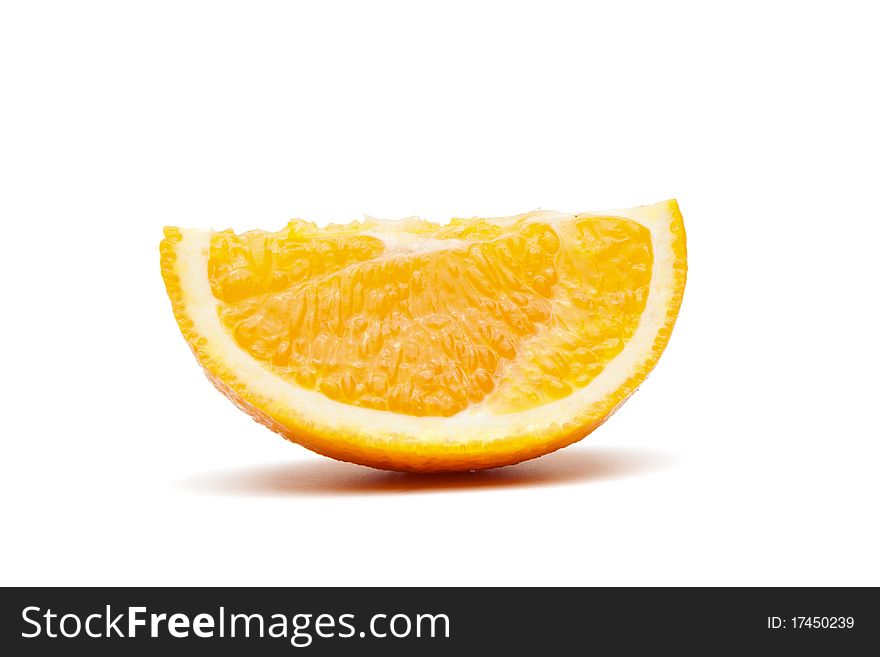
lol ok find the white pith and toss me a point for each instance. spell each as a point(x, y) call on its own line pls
point(475, 423)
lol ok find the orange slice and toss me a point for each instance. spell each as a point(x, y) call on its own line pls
point(409, 345)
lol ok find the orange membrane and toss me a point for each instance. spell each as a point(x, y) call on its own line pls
point(510, 315)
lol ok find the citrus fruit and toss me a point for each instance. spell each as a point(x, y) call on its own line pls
point(410, 345)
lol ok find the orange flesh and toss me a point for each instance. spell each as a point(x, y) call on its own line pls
point(511, 316)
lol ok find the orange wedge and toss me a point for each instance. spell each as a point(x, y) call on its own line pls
point(409, 345)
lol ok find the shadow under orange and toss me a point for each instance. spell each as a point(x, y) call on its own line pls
point(327, 477)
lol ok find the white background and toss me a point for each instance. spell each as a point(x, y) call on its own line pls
point(750, 456)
